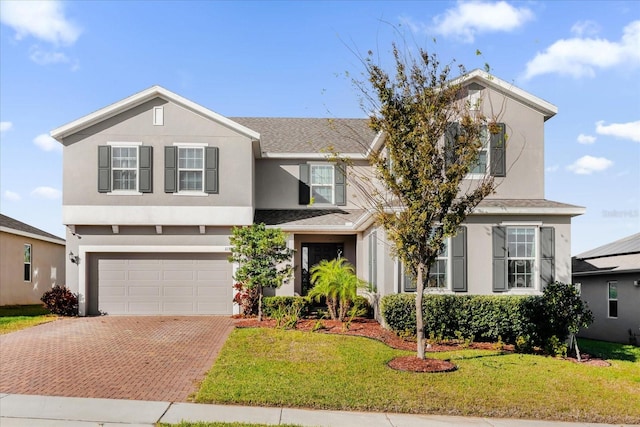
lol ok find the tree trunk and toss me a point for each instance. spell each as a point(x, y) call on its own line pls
point(259, 303)
point(419, 319)
point(575, 342)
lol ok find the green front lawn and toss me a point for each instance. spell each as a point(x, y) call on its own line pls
point(315, 370)
point(16, 317)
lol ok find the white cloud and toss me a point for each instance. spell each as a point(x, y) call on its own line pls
point(629, 130)
point(46, 193)
point(43, 20)
point(469, 19)
point(12, 195)
point(586, 165)
point(44, 57)
point(586, 139)
point(580, 57)
point(552, 168)
point(585, 27)
point(5, 126)
point(46, 143)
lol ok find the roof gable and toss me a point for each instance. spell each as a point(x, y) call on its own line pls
point(140, 98)
point(547, 109)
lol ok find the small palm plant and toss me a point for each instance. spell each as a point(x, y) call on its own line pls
point(335, 280)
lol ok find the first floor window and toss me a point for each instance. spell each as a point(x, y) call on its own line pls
point(27, 262)
point(438, 277)
point(613, 299)
point(190, 168)
point(521, 256)
point(124, 168)
point(322, 183)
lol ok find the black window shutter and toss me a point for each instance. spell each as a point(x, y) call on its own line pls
point(304, 191)
point(170, 169)
point(499, 235)
point(547, 256)
point(211, 170)
point(459, 260)
point(104, 169)
point(145, 180)
point(450, 143)
point(340, 188)
point(498, 152)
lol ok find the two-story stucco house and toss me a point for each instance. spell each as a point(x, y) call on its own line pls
point(154, 183)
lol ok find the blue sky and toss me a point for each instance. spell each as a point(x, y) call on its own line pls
point(62, 60)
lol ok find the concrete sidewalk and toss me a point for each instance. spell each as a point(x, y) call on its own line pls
point(49, 411)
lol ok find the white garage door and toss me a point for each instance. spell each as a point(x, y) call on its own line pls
point(164, 284)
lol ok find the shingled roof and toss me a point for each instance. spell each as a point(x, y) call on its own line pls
point(310, 135)
point(9, 224)
point(626, 245)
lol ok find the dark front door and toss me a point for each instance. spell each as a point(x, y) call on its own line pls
point(312, 254)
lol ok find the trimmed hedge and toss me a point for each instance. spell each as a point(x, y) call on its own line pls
point(272, 304)
point(531, 320)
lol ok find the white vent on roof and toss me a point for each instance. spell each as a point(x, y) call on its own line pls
point(158, 116)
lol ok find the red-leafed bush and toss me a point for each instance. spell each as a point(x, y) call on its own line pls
point(60, 300)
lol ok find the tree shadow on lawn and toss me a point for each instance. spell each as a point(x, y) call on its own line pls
point(611, 351)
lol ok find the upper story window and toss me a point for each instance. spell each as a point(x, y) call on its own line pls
point(27, 262)
point(190, 168)
point(322, 183)
point(124, 168)
point(325, 182)
point(481, 167)
point(492, 154)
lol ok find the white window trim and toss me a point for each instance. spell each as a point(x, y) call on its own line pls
point(535, 289)
point(30, 263)
point(609, 299)
point(333, 183)
point(127, 144)
point(201, 145)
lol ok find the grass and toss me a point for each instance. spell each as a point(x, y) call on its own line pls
point(301, 369)
point(16, 317)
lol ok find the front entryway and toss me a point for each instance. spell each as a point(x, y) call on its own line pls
point(312, 254)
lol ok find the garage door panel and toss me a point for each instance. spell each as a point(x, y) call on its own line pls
point(143, 275)
point(178, 275)
point(136, 290)
point(154, 283)
point(177, 291)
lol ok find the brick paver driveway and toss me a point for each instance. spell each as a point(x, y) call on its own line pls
point(142, 358)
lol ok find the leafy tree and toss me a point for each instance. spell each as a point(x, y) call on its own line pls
point(335, 280)
point(424, 197)
point(263, 258)
point(563, 313)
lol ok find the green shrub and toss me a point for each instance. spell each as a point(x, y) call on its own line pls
point(284, 304)
point(61, 301)
point(544, 321)
point(360, 307)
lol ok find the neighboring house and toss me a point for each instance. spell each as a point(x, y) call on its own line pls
point(32, 261)
point(609, 281)
point(154, 183)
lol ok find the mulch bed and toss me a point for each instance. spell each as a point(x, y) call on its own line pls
point(370, 328)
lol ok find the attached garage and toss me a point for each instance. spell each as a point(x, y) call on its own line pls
point(162, 284)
